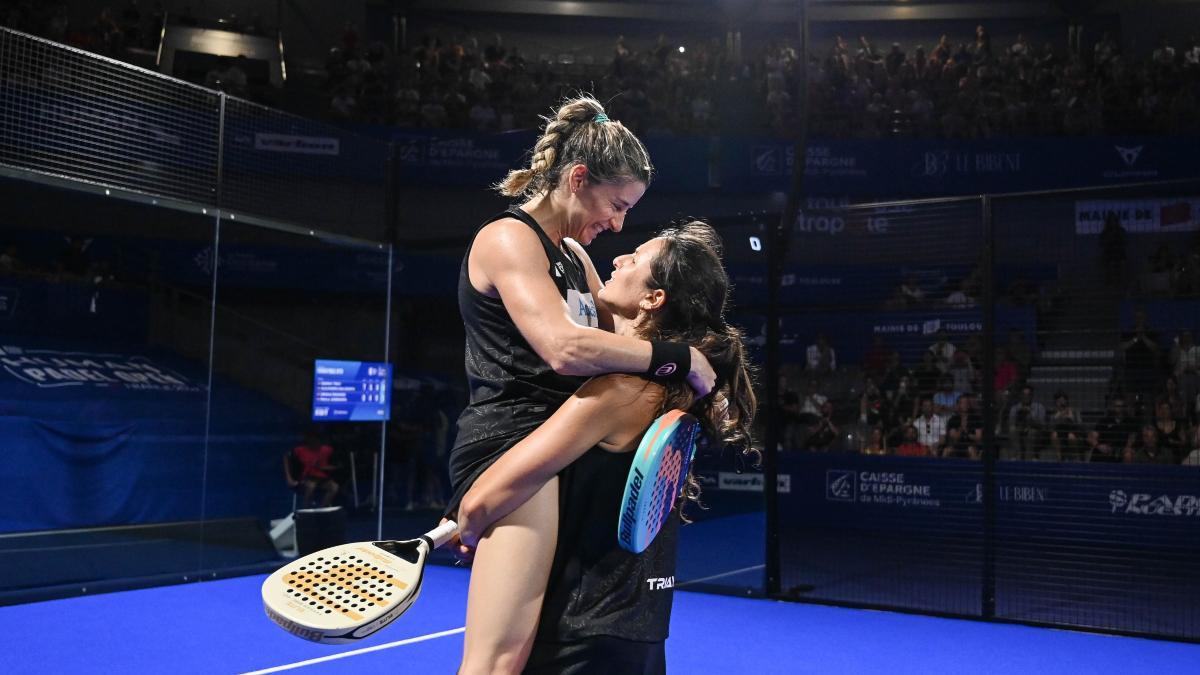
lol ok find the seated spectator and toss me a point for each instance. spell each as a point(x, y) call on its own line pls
point(821, 358)
point(314, 461)
point(822, 434)
point(876, 443)
point(871, 405)
point(945, 398)
point(1193, 458)
point(943, 351)
point(962, 372)
point(1180, 408)
point(1096, 450)
point(1117, 428)
point(901, 408)
point(1147, 450)
point(812, 402)
point(1066, 430)
point(1170, 431)
point(1026, 421)
point(931, 429)
point(909, 446)
point(1184, 361)
point(790, 422)
point(964, 430)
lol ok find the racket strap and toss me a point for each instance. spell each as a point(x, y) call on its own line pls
point(669, 361)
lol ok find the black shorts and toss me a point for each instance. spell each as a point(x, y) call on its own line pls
point(601, 655)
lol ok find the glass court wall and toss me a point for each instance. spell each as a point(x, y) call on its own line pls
point(172, 262)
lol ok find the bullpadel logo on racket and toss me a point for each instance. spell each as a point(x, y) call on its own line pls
point(660, 467)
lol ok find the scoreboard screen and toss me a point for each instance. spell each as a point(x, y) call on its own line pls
point(351, 391)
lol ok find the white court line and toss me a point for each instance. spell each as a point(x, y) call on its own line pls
point(718, 576)
point(356, 652)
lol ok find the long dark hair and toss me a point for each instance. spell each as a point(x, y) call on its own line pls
point(689, 269)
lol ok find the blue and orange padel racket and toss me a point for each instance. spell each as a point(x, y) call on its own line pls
point(660, 468)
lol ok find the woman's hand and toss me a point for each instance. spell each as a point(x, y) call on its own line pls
point(463, 554)
point(701, 377)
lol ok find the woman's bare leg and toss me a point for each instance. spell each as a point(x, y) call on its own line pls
point(508, 582)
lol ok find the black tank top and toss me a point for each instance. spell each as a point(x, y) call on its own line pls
point(512, 389)
point(597, 588)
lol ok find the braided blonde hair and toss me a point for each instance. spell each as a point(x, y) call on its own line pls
point(580, 133)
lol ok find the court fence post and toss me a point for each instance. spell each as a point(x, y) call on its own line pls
point(990, 413)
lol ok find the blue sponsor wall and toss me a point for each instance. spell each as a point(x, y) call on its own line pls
point(858, 169)
point(108, 434)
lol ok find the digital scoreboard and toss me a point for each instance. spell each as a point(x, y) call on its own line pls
point(351, 391)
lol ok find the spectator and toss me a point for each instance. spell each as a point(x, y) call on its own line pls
point(931, 429)
point(1184, 361)
point(822, 434)
point(876, 443)
point(871, 405)
point(314, 461)
point(911, 295)
point(812, 402)
point(1026, 421)
point(962, 372)
point(1096, 450)
point(1141, 351)
point(945, 399)
point(821, 358)
point(1116, 430)
point(943, 351)
point(1193, 458)
point(790, 419)
point(1171, 436)
point(1180, 408)
point(964, 430)
point(1145, 449)
point(1066, 430)
point(909, 446)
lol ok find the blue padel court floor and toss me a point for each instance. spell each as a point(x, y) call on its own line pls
point(219, 627)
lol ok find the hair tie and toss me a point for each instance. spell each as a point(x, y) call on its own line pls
point(601, 118)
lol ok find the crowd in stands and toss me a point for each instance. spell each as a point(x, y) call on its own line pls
point(953, 86)
point(932, 407)
point(977, 88)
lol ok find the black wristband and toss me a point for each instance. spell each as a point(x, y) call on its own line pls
point(669, 361)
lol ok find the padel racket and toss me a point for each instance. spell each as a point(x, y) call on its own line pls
point(345, 593)
point(656, 477)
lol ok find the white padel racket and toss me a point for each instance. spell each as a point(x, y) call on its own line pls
point(345, 593)
point(660, 468)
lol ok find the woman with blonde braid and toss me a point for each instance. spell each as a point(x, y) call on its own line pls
point(527, 293)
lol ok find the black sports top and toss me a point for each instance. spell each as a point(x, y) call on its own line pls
point(597, 588)
point(513, 390)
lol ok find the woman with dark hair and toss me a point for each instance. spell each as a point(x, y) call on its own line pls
point(534, 329)
point(585, 598)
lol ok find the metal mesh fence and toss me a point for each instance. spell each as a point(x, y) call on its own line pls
point(1099, 506)
point(68, 113)
point(78, 116)
point(302, 171)
point(989, 408)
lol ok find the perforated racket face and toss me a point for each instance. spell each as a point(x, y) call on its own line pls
point(342, 593)
point(656, 478)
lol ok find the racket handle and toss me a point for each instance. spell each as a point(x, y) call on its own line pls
point(442, 533)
